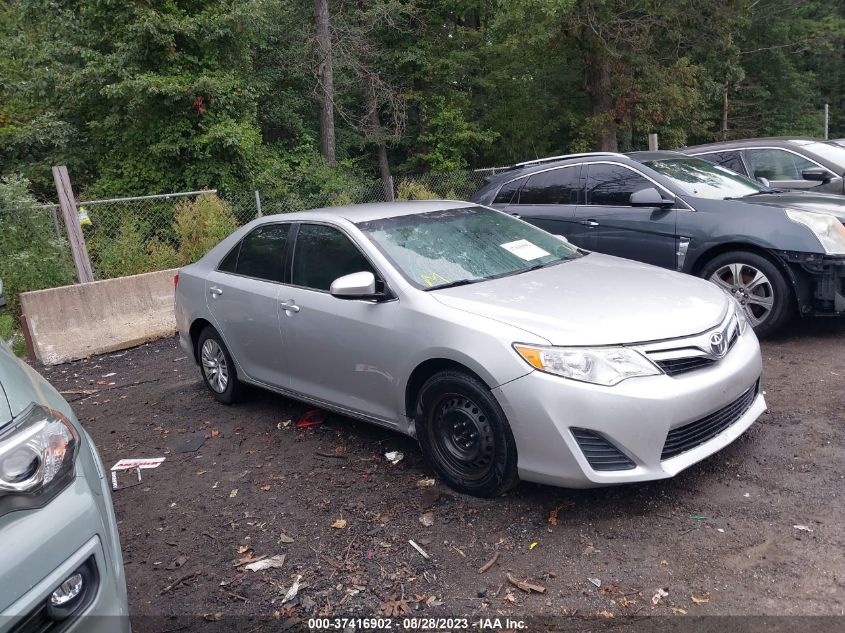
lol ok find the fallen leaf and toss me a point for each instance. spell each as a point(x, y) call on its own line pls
point(243, 548)
point(427, 519)
point(213, 617)
point(215, 433)
point(510, 597)
point(284, 538)
point(234, 493)
point(553, 517)
point(659, 595)
point(679, 611)
point(533, 545)
point(605, 614)
point(704, 599)
point(266, 488)
point(395, 606)
point(625, 602)
point(339, 524)
point(425, 483)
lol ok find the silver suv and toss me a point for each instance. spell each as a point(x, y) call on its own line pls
point(60, 558)
point(505, 350)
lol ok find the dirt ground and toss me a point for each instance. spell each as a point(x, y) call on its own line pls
point(721, 538)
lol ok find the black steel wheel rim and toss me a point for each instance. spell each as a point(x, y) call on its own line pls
point(461, 437)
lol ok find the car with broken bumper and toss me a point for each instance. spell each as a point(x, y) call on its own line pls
point(781, 253)
point(507, 352)
point(61, 567)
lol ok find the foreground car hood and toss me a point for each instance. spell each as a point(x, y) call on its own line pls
point(803, 200)
point(595, 300)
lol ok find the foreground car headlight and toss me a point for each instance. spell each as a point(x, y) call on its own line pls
point(829, 231)
point(37, 453)
point(738, 310)
point(598, 365)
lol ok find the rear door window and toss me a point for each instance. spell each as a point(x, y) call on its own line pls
point(612, 185)
point(262, 252)
point(324, 253)
point(556, 186)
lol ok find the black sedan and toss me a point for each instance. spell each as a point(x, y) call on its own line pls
point(786, 163)
point(778, 253)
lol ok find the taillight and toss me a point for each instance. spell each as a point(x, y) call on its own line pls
point(175, 281)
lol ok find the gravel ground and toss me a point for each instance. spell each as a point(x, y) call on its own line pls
point(720, 538)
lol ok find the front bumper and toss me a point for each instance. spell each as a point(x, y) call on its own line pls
point(45, 546)
point(636, 416)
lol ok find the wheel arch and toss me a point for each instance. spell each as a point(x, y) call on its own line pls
point(194, 333)
point(425, 370)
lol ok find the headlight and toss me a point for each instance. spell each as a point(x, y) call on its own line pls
point(37, 453)
point(738, 310)
point(598, 365)
point(829, 231)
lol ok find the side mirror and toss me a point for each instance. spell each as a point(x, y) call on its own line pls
point(650, 197)
point(355, 286)
point(764, 181)
point(816, 174)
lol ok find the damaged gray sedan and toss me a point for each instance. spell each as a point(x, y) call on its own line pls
point(506, 351)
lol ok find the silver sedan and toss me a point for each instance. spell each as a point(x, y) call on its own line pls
point(506, 351)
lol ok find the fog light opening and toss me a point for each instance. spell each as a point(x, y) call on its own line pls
point(68, 591)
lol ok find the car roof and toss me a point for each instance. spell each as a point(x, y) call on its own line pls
point(777, 141)
point(655, 155)
point(371, 211)
point(541, 164)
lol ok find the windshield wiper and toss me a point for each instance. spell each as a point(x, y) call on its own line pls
point(457, 282)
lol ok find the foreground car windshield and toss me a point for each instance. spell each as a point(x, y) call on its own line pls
point(704, 180)
point(442, 248)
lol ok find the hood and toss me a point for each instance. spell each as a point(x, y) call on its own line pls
point(803, 200)
point(595, 300)
point(20, 385)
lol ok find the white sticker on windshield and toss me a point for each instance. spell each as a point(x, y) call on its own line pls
point(524, 250)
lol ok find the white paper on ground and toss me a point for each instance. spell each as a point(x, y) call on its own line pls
point(143, 462)
point(524, 250)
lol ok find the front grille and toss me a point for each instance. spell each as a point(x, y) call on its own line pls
point(690, 435)
point(600, 453)
point(675, 366)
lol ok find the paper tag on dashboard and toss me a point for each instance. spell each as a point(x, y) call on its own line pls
point(524, 250)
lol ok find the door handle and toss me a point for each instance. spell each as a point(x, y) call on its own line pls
point(589, 223)
point(215, 292)
point(290, 306)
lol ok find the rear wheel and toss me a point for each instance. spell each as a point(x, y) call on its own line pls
point(465, 435)
point(758, 284)
point(218, 369)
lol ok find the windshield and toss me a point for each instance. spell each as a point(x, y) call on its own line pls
point(829, 151)
point(467, 245)
point(705, 180)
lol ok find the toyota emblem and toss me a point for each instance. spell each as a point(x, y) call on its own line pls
point(718, 344)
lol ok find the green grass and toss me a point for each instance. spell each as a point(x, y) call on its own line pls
point(10, 331)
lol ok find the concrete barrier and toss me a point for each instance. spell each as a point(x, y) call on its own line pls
point(73, 322)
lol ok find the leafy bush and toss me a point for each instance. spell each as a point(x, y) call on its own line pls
point(31, 256)
point(200, 224)
point(412, 190)
point(131, 251)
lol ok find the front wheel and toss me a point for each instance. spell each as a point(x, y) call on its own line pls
point(757, 284)
point(465, 435)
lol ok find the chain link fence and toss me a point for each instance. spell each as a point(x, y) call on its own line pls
point(127, 236)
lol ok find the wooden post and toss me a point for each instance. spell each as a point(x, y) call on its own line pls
point(652, 142)
point(74, 231)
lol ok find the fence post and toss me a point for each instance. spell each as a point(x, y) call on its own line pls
point(74, 230)
point(258, 203)
point(652, 142)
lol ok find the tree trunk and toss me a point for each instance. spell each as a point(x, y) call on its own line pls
point(325, 76)
point(601, 100)
point(377, 136)
point(725, 114)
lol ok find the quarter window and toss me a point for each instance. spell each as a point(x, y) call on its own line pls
point(612, 185)
point(506, 193)
point(557, 186)
point(262, 251)
point(728, 160)
point(323, 254)
point(777, 164)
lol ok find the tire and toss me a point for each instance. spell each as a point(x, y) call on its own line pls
point(465, 435)
point(759, 285)
point(213, 357)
